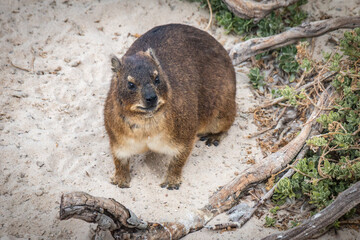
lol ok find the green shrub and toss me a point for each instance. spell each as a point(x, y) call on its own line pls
point(337, 149)
point(256, 78)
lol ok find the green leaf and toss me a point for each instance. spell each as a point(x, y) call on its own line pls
point(269, 222)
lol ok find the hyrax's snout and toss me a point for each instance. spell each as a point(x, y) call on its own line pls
point(150, 97)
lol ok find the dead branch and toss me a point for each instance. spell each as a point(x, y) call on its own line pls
point(346, 200)
point(82, 206)
point(123, 224)
point(211, 16)
point(114, 217)
point(242, 51)
point(249, 9)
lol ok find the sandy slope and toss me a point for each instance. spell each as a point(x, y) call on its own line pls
point(51, 124)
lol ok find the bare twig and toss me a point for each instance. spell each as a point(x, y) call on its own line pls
point(33, 59)
point(357, 131)
point(210, 18)
point(21, 68)
point(242, 51)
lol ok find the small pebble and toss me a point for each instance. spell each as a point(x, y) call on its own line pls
point(40, 164)
point(75, 64)
point(20, 95)
point(39, 192)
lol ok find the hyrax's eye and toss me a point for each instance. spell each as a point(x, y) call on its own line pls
point(157, 80)
point(131, 86)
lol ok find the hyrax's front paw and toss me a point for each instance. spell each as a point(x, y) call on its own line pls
point(121, 182)
point(171, 184)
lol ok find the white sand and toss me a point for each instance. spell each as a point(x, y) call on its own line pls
point(53, 139)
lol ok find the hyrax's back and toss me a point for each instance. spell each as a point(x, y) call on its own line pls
point(200, 73)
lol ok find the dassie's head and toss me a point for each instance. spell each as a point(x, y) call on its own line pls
point(141, 86)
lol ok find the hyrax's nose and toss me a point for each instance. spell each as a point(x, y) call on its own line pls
point(151, 99)
point(150, 96)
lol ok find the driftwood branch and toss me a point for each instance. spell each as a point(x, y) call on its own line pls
point(113, 216)
point(242, 51)
point(346, 200)
point(249, 9)
point(123, 224)
point(108, 213)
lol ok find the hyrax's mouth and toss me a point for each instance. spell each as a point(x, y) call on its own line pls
point(148, 109)
point(140, 108)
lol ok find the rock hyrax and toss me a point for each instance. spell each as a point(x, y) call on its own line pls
point(174, 84)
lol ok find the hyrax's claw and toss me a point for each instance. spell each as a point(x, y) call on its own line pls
point(120, 182)
point(170, 186)
point(203, 138)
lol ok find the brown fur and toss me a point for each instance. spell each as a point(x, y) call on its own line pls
point(195, 96)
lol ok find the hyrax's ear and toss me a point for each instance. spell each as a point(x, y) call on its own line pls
point(151, 53)
point(115, 63)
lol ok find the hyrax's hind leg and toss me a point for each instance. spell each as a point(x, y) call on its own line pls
point(212, 138)
point(218, 128)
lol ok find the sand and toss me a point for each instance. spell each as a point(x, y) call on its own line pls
point(55, 74)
